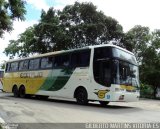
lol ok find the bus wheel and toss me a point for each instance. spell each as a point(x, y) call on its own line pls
point(104, 103)
point(22, 92)
point(15, 91)
point(81, 96)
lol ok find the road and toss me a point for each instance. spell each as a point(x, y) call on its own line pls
point(18, 110)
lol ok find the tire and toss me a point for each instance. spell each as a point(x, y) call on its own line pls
point(104, 103)
point(15, 91)
point(82, 97)
point(22, 92)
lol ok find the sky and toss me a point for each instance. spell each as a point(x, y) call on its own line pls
point(127, 12)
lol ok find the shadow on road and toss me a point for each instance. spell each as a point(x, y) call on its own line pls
point(68, 102)
point(112, 108)
point(90, 104)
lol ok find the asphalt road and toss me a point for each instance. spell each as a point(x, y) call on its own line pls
point(18, 110)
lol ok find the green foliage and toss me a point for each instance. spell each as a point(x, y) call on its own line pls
point(87, 26)
point(146, 46)
point(2, 65)
point(156, 39)
point(146, 91)
point(136, 40)
point(9, 11)
point(75, 26)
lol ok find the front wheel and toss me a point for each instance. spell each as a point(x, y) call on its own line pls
point(82, 97)
point(104, 103)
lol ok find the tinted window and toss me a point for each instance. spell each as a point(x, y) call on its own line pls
point(102, 72)
point(128, 74)
point(1, 74)
point(102, 53)
point(34, 64)
point(46, 62)
point(62, 61)
point(14, 66)
point(7, 67)
point(23, 65)
point(124, 55)
point(80, 59)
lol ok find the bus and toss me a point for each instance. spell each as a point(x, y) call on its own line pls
point(1, 77)
point(104, 73)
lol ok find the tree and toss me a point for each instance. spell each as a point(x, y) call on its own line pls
point(150, 68)
point(23, 46)
point(145, 45)
point(49, 33)
point(75, 26)
point(9, 11)
point(86, 26)
point(136, 40)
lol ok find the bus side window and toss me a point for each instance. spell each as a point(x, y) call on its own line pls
point(62, 61)
point(34, 64)
point(7, 67)
point(80, 59)
point(14, 66)
point(84, 57)
point(46, 62)
point(23, 65)
point(66, 60)
point(74, 60)
point(57, 61)
point(1, 74)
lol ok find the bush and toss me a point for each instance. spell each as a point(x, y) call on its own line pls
point(146, 91)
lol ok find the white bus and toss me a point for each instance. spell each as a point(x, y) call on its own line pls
point(104, 73)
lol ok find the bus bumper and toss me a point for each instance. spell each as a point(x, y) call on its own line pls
point(127, 97)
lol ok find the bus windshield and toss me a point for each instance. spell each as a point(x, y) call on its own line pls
point(115, 66)
point(125, 73)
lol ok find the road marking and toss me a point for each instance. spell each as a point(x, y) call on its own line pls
point(3, 124)
point(1, 120)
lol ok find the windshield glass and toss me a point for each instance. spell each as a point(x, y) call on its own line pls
point(120, 54)
point(128, 74)
point(115, 66)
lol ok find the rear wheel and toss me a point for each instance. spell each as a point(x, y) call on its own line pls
point(104, 103)
point(15, 91)
point(22, 92)
point(81, 96)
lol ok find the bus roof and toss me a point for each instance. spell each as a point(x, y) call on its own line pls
point(111, 45)
point(65, 51)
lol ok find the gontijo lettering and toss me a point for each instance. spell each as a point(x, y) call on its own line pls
point(31, 75)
